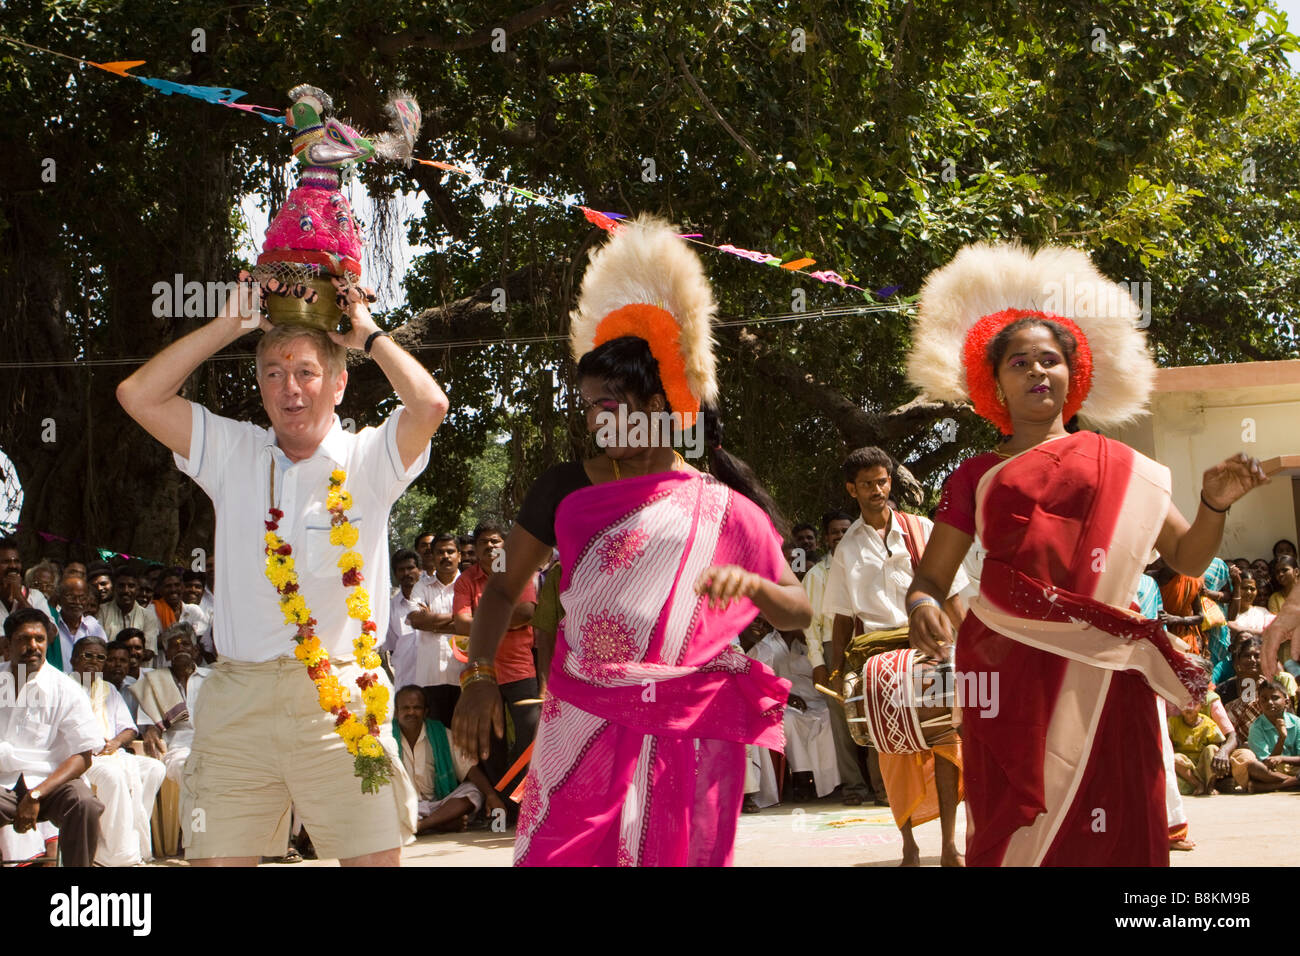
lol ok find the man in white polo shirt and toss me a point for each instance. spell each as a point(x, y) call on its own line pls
point(436, 668)
point(48, 734)
point(262, 741)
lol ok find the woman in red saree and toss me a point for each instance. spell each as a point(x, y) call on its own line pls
point(1065, 768)
point(640, 756)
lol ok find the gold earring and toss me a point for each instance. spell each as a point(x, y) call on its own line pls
point(1002, 398)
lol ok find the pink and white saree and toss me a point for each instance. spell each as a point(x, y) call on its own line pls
point(640, 756)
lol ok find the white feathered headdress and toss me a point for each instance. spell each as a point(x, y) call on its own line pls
point(967, 302)
point(646, 281)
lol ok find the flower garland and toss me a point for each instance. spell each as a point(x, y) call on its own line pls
point(361, 736)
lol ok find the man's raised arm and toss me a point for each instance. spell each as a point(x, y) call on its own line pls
point(424, 401)
point(151, 394)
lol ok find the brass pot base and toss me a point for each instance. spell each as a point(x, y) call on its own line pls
point(322, 314)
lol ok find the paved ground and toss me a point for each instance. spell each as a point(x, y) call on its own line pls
point(1230, 830)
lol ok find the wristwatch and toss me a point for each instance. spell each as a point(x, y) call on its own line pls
point(35, 795)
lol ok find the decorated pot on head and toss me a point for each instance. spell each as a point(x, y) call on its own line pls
point(314, 238)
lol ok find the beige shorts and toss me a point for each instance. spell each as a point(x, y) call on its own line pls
point(263, 746)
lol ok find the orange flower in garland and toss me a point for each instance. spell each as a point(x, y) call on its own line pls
point(360, 735)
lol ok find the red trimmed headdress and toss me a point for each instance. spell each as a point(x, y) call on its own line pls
point(645, 281)
point(986, 287)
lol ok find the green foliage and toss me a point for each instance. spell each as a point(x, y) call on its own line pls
point(1158, 135)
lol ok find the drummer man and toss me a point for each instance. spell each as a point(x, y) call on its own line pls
point(866, 590)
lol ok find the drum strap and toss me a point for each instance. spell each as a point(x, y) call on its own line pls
point(912, 536)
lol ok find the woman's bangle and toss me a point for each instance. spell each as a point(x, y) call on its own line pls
point(475, 677)
point(923, 600)
point(477, 672)
point(1217, 511)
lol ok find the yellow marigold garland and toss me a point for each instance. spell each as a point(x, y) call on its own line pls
point(371, 762)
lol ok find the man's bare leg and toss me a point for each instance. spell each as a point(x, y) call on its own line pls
point(391, 857)
point(1264, 780)
point(451, 816)
point(227, 861)
point(946, 780)
point(1187, 773)
point(911, 852)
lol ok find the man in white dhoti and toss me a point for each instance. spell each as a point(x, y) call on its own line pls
point(166, 698)
point(126, 784)
point(809, 739)
point(449, 784)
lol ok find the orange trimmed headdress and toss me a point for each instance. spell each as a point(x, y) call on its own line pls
point(647, 282)
point(986, 287)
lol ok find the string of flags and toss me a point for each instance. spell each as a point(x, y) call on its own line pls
point(609, 221)
point(105, 554)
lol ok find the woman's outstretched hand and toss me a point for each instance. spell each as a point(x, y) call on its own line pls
point(1230, 479)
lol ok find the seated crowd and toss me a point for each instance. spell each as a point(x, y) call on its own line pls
point(113, 655)
point(106, 660)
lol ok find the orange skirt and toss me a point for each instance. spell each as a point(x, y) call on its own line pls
point(909, 783)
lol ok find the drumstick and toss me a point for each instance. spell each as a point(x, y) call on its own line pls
point(519, 765)
point(1272, 466)
point(530, 700)
point(830, 693)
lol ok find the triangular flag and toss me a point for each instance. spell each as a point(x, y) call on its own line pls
point(119, 66)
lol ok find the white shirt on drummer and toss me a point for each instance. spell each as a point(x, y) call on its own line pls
point(233, 461)
point(435, 662)
point(43, 722)
point(870, 575)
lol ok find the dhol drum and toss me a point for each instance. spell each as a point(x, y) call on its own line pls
point(901, 702)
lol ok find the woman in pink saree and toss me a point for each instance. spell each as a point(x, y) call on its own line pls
point(1064, 765)
point(640, 756)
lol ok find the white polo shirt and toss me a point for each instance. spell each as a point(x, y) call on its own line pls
point(233, 461)
point(435, 663)
point(870, 575)
point(401, 638)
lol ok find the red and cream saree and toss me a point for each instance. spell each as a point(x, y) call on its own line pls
point(1066, 767)
point(640, 756)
